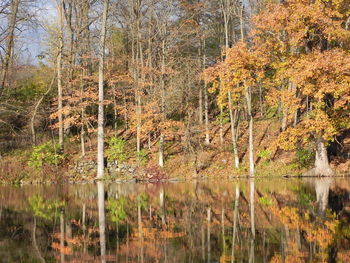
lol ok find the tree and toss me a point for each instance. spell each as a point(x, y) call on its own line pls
point(100, 119)
point(237, 75)
point(59, 72)
point(307, 44)
point(10, 42)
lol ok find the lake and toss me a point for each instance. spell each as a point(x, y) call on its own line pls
point(216, 220)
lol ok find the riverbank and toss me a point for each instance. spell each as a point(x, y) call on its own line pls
point(208, 161)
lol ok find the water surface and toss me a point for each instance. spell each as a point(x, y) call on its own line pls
point(279, 220)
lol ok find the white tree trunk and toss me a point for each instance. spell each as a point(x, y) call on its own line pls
point(59, 77)
point(162, 95)
point(322, 166)
point(322, 186)
point(161, 151)
point(235, 219)
point(233, 119)
point(251, 138)
point(200, 107)
point(100, 121)
point(62, 237)
point(102, 219)
point(221, 132)
point(206, 116)
point(206, 102)
point(252, 206)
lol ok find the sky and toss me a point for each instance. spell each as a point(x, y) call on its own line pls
point(31, 40)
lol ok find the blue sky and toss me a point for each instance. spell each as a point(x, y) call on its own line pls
point(31, 40)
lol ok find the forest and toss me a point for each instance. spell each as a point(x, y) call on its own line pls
point(163, 89)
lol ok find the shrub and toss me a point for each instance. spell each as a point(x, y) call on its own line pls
point(116, 150)
point(265, 154)
point(142, 156)
point(304, 158)
point(265, 201)
point(45, 154)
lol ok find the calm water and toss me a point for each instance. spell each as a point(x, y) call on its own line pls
point(282, 220)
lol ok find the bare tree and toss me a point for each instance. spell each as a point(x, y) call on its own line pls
point(100, 131)
point(59, 73)
point(10, 42)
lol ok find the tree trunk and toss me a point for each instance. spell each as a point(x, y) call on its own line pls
point(59, 77)
point(322, 186)
point(162, 205)
point(208, 234)
point(140, 229)
point(221, 126)
point(36, 248)
point(62, 237)
point(10, 43)
point(100, 121)
point(102, 219)
point(322, 166)
point(235, 219)
point(206, 116)
point(200, 92)
point(206, 102)
point(162, 95)
point(233, 120)
point(251, 145)
point(252, 206)
point(200, 107)
point(115, 109)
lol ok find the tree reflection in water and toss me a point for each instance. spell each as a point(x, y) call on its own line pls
point(210, 221)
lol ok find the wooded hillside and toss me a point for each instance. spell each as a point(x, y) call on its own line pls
point(257, 81)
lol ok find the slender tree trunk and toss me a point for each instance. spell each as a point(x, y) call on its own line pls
point(252, 206)
point(115, 109)
point(223, 230)
point(200, 107)
point(206, 116)
point(221, 131)
point(59, 77)
point(82, 130)
point(162, 86)
point(208, 234)
point(252, 251)
point(251, 139)
point(206, 102)
point(200, 92)
point(100, 121)
point(136, 44)
point(10, 43)
point(162, 205)
point(233, 120)
point(62, 237)
point(68, 17)
point(82, 134)
point(140, 228)
point(102, 219)
point(235, 219)
point(36, 248)
point(241, 20)
point(142, 77)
